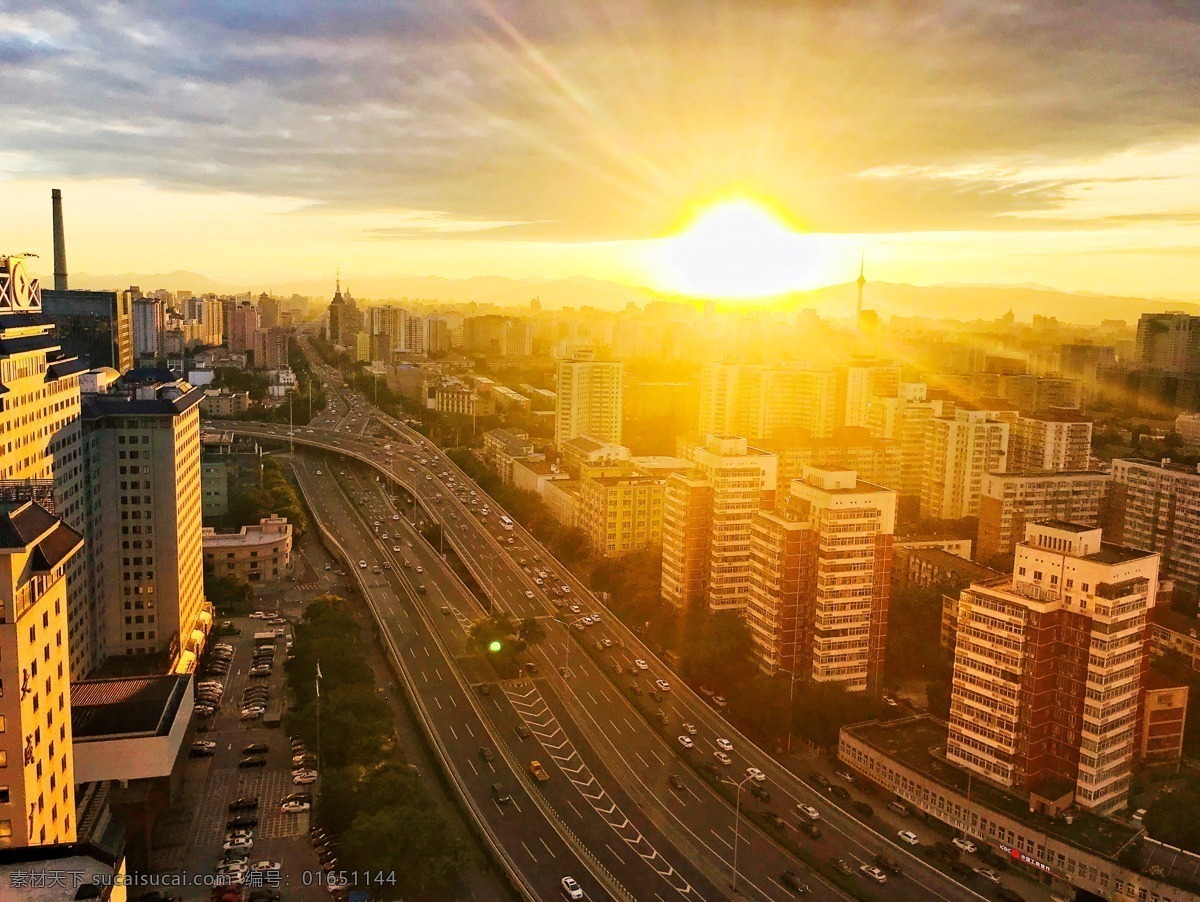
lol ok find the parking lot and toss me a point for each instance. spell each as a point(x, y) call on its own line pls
point(192, 840)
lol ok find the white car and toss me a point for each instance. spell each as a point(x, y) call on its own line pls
point(266, 865)
point(909, 837)
point(686, 742)
point(238, 844)
point(663, 685)
point(571, 889)
point(587, 621)
point(304, 777)
point(963, 843)
point(395, 516)
point(419, 568)
point(641, 665)
point(574, 609)
point(529, 593)
point(690, 729)
point(988, 874)
point(757, 775)
point(809, 812)
point(725, 745)
point(295, 807)
point(362, 565)
point(722, 758)
point(874, 873)
point(566, 590)
point(396, 548)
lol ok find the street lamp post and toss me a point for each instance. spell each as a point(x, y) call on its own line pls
point(737, 822)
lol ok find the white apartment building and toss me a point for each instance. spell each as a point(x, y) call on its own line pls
point(960, 451)
point(1049, 669)
point(1156, 506)
point(1058, 439)
point(866, 383)
point(905, 420)
point(589, 399)
point(1010, 500)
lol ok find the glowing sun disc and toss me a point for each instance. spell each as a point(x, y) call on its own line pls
point(736, 249)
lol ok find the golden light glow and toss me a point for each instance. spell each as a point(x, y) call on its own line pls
point(737, 248)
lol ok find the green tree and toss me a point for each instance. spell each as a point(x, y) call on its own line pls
point(531, 631)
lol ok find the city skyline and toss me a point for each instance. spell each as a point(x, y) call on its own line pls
point(493, 139)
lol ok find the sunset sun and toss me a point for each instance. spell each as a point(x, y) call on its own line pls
point(736, 249)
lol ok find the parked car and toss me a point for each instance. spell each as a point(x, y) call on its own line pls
point(256, 748)
point(245, 803)
point(963, 843)
point(253, 761)
point(909, 837)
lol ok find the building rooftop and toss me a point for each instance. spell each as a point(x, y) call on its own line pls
point(104, 709)
point(1058, 415)
point(1117, 554)
point(1067, 526)
point(919, 743)
point(1162, 615)
point(24, 524)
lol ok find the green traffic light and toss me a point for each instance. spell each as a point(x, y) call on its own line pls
point(494, 646)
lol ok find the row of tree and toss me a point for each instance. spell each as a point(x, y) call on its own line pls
point(370, 795)
point(276, 495)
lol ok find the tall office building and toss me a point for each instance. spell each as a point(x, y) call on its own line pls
point(243, 324)
point(1010, 500)
point(40, 437)
point(206, 315)
point(757, 401)
point(149, 321)
point(95, 326)
point(344, 319)
point(589, 399)
point(1155, 506)
point(1169, 343)
point(961, 450)
point(143, 525)
point(1056, 439)
point(905, 419)
point(268, 311)
point(437, 335)
point(820, 580)
point(36, 548)
point(498, 336)
point(1049, 669)
point(740, 481)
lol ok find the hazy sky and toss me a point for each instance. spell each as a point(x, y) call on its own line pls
point(953, 141)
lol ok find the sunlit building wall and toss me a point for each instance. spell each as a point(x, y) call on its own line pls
point(1049, 668)
point(589, 399)
point(961, 451)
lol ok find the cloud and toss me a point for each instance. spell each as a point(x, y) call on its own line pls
point(580, 121)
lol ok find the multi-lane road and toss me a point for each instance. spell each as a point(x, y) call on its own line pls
point(626, 810)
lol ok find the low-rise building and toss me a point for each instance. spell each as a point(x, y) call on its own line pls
point(221, 403)
point(507, 399)
point(502, 447)
point(1171, 631)
point(584, 450)
point(1065, 850)
point(253, 554)
point(926, 567)
point(621, 514)
point(1164, 716)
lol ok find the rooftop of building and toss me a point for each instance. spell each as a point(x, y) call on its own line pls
point(1169, 619)
point(585, 443)
point(1067, 526)
point(1157, 678)
point(1116, 554)
point(1051, 474)
point(124, 706)
point(95, 407)
point(1058, 415)
point(267, 530)
point(25, 523)
point(919, 743)
point(631, 479)
point(959, 566)
point(1165, 463)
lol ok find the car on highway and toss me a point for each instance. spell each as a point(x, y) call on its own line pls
point(809, 829)
point(419, 568)
point(841, 864)
point(574, 609)
point(663, 685)
point(963, 843)
point(756, 775)
point(792, 881)
point(529, 593)
point(686, 742)
point(362, 565)
point(808, 811)
point(722, 757)
point(724, 745)
point(674, 782)
point(873, 873)
point(641, 665)
point(538, 772)
point(571, 889)
point(909, 837)
point(486, 753)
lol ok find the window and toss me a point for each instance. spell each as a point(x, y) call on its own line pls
point(4, 797)
point(5, 829)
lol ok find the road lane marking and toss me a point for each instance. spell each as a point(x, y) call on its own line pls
point(547, 848)
point(527, 849)
point(728, 844)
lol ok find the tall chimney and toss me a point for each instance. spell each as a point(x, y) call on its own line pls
point(60, 242)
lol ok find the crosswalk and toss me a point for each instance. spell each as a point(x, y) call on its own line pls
point(533, 710)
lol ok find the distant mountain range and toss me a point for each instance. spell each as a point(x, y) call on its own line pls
point(954, 301)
